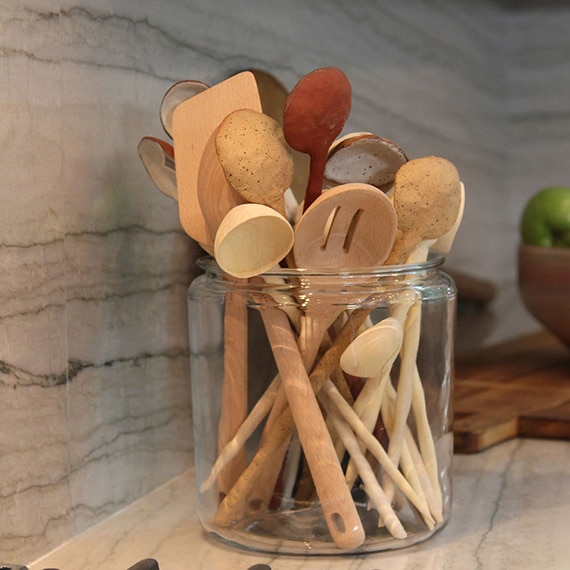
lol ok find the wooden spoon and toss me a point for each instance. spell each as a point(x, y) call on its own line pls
point(315, 113)
point(251, 239)
point(364, 157)
point(427, 199)
point(371, 355)
point(352, 226)
point(372, 350)
point(254, 157)
point(158, 159)
point(174, 96)
point(193, 122)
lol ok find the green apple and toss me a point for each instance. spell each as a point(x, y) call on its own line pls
point(545, 220)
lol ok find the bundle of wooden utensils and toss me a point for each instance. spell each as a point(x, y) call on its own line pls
point(231, 167)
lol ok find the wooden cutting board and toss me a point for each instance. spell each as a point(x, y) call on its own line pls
point(520, 388)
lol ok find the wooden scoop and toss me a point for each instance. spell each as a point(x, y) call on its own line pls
point(427, 199)
point(315, 113)
point(364, 157)
point(157, 157)
point(254, 157)
point(251, 239)
point(193, 122)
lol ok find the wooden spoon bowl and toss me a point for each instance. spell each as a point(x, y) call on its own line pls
point(251, 239)
point(352, 226)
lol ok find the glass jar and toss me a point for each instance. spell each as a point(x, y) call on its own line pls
point(322, 407)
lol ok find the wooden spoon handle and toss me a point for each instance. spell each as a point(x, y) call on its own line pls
point(234, 388)
point(338, 506)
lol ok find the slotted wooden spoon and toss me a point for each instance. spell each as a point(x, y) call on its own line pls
point(350, 227)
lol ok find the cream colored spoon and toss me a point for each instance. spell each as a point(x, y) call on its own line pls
point(315, 113)
point(157, 157)
point(427, 199)
point(364, 157)
point(254, 157)
point(175, 95)
point(371, 355)
point(251, 239)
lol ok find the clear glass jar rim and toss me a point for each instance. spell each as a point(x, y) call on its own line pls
point(209, 264)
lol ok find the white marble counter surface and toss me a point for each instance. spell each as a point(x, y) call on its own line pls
point(510, 510)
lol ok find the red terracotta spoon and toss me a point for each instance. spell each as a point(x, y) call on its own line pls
point(315, 113)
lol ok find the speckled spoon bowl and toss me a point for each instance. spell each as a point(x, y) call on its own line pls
point(364, 157)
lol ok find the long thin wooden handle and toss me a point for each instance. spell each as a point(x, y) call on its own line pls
point(338, 506)
point(234, 389)
point(231, 508)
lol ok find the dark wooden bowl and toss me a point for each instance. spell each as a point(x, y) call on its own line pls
point(544, 285)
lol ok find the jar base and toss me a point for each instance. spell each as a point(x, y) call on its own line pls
point(304, 532)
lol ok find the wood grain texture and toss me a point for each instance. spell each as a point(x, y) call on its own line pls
point(520, 388)
point(194, 121)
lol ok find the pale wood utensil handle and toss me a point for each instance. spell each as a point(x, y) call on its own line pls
point(248, 426)
point(234, 388)
point(373, 489)
point(375, 447)
point(234, 504)
point(338, 506)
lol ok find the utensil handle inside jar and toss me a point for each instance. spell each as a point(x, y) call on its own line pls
point(339, 509)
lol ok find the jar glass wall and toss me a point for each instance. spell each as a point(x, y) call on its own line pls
point(322, 407)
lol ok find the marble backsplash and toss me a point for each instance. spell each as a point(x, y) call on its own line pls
point(94, 266)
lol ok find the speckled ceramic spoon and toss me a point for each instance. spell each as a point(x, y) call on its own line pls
point(315, 113)
point(427, 199)
point(364, 157)
point(273, 96)
point(254, 157)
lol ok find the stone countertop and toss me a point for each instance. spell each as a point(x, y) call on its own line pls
point(510, 510)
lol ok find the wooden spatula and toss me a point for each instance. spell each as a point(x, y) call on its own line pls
point(193, 123)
